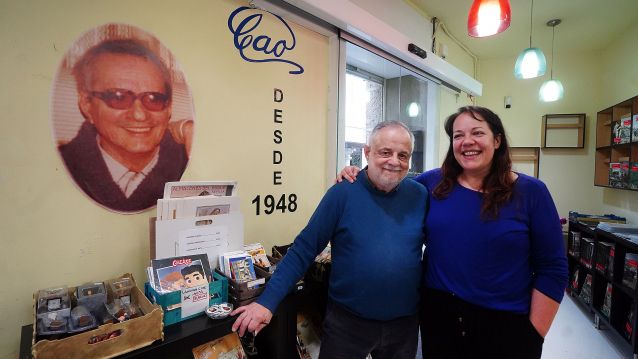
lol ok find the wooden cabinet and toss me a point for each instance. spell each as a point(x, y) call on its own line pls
point(617, 146)
point(599, 281)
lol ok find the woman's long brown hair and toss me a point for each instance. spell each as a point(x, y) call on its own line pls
point(498, 185)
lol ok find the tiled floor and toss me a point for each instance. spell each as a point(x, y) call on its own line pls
point(573, 335)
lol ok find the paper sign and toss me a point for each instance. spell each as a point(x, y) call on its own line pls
point(194, 300)
point(210, 240)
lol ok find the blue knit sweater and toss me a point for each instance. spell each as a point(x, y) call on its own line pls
point(495, 263)
point(376, 249)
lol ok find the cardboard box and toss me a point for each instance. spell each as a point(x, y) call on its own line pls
point(108, 340)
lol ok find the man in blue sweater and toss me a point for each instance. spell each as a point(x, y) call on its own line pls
point(375, 226)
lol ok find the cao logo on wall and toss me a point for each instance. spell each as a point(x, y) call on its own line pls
point(122, 116)
point(261, 36)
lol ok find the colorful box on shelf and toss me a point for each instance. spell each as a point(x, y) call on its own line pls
point(107, 340)
point(171, 302)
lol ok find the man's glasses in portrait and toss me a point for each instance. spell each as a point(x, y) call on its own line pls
point(121, 99)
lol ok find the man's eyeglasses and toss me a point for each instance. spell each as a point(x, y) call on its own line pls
point(121, 99)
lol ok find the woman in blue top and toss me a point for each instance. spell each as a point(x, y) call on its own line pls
point(494, 265)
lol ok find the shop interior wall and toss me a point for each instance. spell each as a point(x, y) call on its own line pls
point(593, 81)
point(568, 173)
point(52, 234)
point(619, 81)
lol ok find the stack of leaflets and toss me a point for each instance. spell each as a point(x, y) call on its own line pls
point(197, 199)
point(587, 252)
point(574, 244)
point(603, 256)
point(606, 308)
point(258, 254)
point(226, 347)
point(634, 136)
point(237, 265)
point(585, 292)
point(177, 273)
point(622, 130)
point(629, 324)
point(574, 283)
point(633, 174)
point(198, 218)
point(617, 177)
point(630, 275)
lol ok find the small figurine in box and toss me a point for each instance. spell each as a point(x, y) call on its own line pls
point(92, 296)
point(123, 311)
point(53, 299)
point(121, 289)
point(81, 319)
point(53, 309)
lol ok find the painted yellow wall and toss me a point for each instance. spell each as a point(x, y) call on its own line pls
point(449, 103)
point(52, 234)
point(593, 81)
point(567, 173)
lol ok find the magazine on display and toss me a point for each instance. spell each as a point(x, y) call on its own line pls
point(242, 269)
point(237, 265)
point(258, 254)
point(199, 188)
point(226, 347)
point(177, 273)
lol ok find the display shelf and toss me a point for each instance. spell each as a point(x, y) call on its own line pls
point(563, 131)
point(603, 128)
point(617, 146)
point(526, 160)
point(624, 299)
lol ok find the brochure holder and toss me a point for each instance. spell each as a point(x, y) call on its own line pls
point(171, 302)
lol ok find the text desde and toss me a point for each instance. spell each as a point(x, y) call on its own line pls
point(275, 203)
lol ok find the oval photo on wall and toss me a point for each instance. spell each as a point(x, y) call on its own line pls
point(122, 117)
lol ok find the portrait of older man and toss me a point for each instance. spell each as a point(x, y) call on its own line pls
point(125, 150)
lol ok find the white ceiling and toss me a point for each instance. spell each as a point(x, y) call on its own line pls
point(587, 24)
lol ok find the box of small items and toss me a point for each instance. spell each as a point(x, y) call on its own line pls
point(94, 320)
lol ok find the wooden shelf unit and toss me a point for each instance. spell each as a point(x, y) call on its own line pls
point(526, 160)
point(623, 298)
point(563, 131)
point(614, 149)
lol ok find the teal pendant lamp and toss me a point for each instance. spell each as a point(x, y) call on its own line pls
point(552, 90)
point(531, 62)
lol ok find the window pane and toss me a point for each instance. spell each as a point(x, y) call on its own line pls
point(377, 89)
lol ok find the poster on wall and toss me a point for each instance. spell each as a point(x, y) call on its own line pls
point(122, 117)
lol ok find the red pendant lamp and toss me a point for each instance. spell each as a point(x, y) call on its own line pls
point(488, 17)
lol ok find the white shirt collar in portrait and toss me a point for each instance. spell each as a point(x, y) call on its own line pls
point(127, 180)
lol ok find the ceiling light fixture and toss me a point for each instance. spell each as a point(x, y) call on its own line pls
point(531, 62)
point(551, 90)
point(488, 17)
